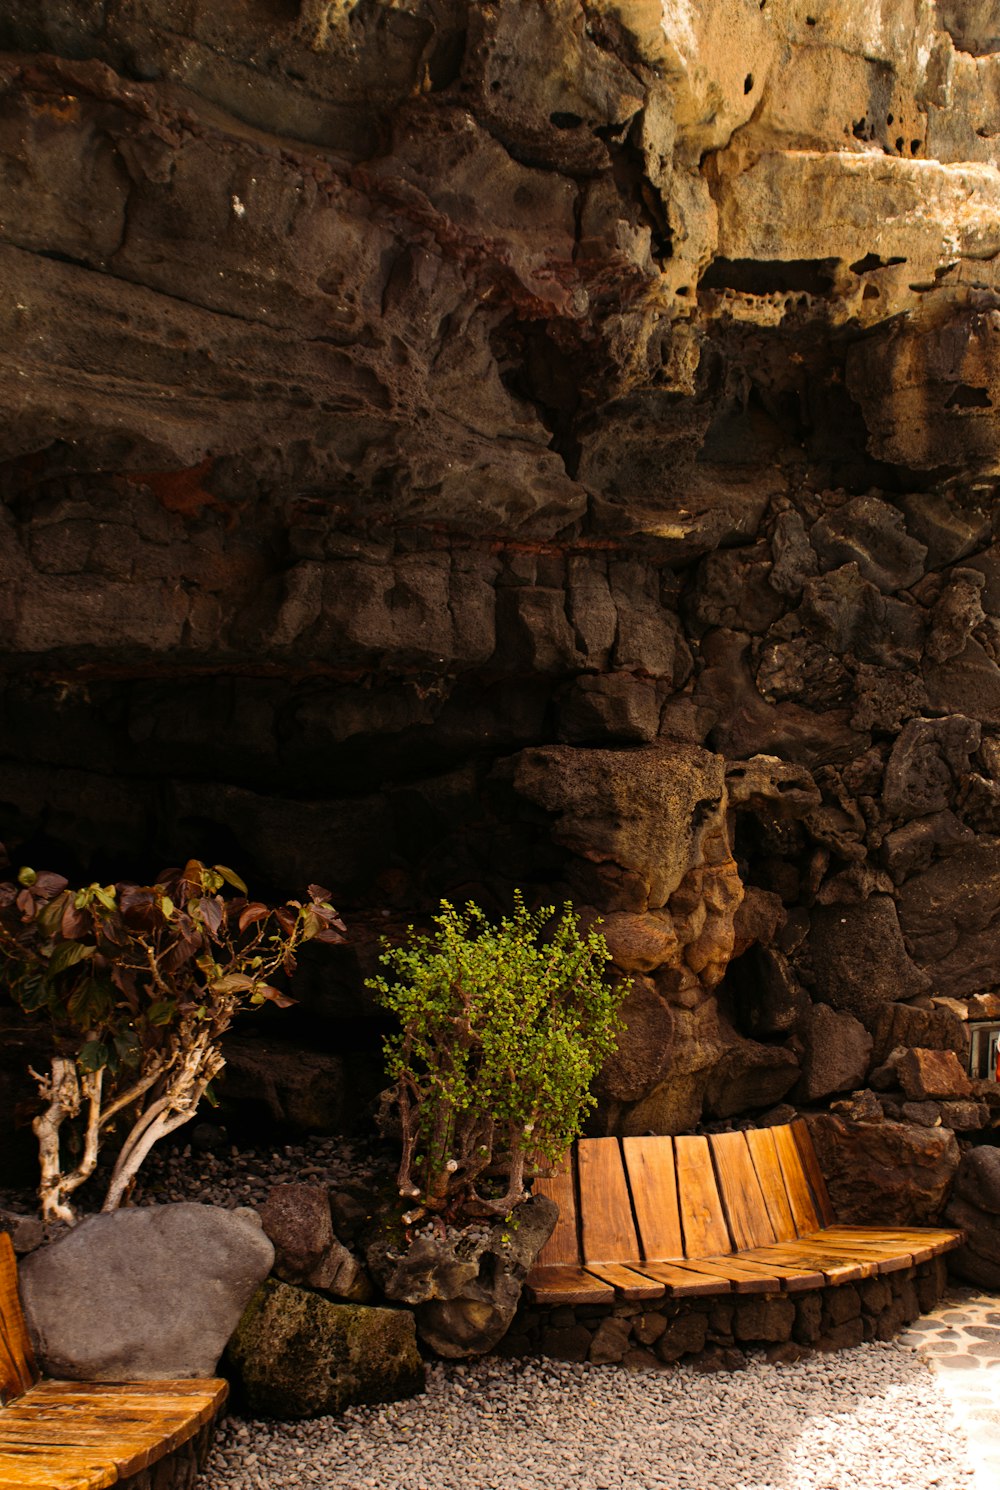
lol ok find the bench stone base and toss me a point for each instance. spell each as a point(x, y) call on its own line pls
point(714, 1333)
point(178, 1470)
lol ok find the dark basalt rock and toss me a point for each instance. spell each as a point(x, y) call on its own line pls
point(886, 1173)
point(859, 958)
point(465, 1286)
point(949, 916)
point(450, 447)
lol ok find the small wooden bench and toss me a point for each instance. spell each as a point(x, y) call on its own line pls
point(749, 1212)
point(76, 1435)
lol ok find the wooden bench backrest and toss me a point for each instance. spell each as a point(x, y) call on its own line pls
point(18, 1371)
point(663, 1199)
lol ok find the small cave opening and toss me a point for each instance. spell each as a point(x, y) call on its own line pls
point(771, 276)
point(966, 397)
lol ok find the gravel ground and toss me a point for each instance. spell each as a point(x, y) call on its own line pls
point(862, 1419)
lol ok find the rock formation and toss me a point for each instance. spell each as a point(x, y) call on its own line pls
point(454, 445)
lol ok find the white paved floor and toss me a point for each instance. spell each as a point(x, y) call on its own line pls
point(960, 1341)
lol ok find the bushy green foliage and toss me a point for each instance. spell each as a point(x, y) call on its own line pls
point(503, 1028)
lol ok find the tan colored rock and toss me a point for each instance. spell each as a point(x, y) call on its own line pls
point(640, 943)
point(932, 1073)
point(982, 1006)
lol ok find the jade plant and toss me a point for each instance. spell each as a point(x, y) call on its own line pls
point(138, 984)
point(501, 1031)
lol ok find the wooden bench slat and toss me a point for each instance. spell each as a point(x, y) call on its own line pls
point(627, 1283)
point(702, 1219)
point(932, 1242)
point(128, 1453)
point(43, 1458)
point(760, 1142)
point(834, 1269)
point(793, 1279)
point(814, 1175)
point(563, 1246)
point(681, 1281)
point(742, 1279)
point(742, 1198)
point(562, 1284)
point(23, 1476)
point(652, 1177)
point(607, 1231)
point(888, 1258)
point(796, 1185)
point(17, 1361)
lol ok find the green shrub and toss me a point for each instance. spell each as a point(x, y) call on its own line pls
point(502, 1031)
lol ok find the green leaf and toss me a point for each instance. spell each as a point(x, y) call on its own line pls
point(105, 894)
point(162, 1012)
point(232, 983)
point(68, 954)
point(26, 877)
point(167, 907)
point(93, 1056)
point(231, 878)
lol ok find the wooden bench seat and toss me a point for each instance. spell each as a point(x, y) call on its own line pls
point(647, 1218)
point(75, 1435)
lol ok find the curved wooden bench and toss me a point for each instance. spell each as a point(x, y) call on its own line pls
point(749, 1212)
point(76, 1435)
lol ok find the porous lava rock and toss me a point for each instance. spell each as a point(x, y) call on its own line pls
point(886, 1173)
point(464, 1285)
point(450, 447)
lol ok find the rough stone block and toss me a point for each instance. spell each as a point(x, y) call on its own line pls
point(841, 1303)
point(572, 1344)
point(932, 1073)
point(299, 1355)
point(764, 1318)
point(610, 1342)
point(683, 1336)
point(842, 1336)
point(808, 1318)
point(648, 1328)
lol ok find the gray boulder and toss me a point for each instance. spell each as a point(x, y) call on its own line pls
point(299, 1355)
point(145, 1294)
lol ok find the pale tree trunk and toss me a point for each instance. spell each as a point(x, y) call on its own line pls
point(185, 1089)
point(65, 1093)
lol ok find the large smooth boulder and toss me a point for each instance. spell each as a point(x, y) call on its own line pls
point(891, 1174)
point(145, 1294)
point(300, 1356)
point(465, 1285)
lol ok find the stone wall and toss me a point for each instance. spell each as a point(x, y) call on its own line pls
point(715, 1334)
point(450, 446)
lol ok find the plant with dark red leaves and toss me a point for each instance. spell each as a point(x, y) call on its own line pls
point(139, 983)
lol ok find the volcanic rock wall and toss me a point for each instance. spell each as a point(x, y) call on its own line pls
point(453, 445)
